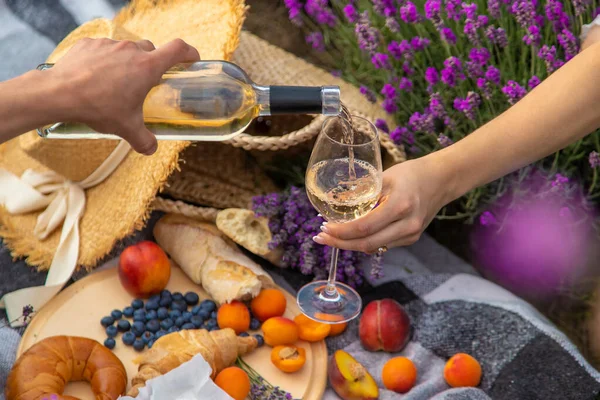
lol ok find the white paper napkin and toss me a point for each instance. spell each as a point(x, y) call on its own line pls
point(189, 381)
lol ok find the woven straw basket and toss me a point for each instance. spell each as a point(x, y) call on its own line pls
point(221, 175)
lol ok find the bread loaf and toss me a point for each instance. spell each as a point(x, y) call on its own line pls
point(210, 259)
point(249, 231)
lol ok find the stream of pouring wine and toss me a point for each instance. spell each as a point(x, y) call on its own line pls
point(348, 133)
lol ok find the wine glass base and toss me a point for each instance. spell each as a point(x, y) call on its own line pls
point(317, 305)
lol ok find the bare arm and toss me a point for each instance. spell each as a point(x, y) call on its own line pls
point(99, 82)
point(562, 109)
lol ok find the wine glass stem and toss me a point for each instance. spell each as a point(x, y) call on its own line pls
point(331, 290)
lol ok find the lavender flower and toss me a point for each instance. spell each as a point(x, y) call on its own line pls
point(409, 13)
point(405, 84)
point(419, 43)
point(494, 8)
point(468, 105)
point(548, 54)
point(453, 9)
point(315, 39)
point(556, 15)
point(469, 10)
point(559, 181)
point(382, 125)
point(384, 7)
point(569, 42)
point(514, 92)
point(433, 12)
point(407, 68)
point(381, 61)
point(487, 219)
point(320, 12)
point(294, 11)
point(336, 73)
point(447, 35)
point(532, 37)
point(452, 71)
point(444, 140)
point(392, 24)
point(422, 122)
point(533, 82)
point(485, 87)
point(579, 6)
point(497, 36)
point(524, 12)
point(368, 93)
point(389, 105)
point(377, 266)
point(367, 36)
point(350, 13)
point(492, 74)
point(594, 159)
point(470, 30)
point(398, 134)
point(432, 76)
point(389, 91)
point(399, 50)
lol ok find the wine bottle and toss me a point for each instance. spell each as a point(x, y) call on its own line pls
point(210, 101)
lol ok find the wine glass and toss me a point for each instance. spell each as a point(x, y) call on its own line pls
point(343, 183)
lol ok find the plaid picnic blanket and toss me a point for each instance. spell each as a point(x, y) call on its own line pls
point(452, 309)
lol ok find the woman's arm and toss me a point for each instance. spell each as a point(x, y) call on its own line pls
point(562, 109)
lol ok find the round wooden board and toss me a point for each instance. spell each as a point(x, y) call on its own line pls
point(77, 311)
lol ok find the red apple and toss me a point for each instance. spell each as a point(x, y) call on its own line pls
point(384, 325)
point(144, 269)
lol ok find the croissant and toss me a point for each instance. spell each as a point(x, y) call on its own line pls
point(219, 348)
point(46, 368)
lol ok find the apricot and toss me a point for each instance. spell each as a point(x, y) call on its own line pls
point(311, 330)
point(336, 329)
point(279, 331)
point(269, 303)
point(144, 269)
point(350, 379)
point(234, 315)
point(234, 381)
point(399, 374)
point(462, 370)
point(384, 325)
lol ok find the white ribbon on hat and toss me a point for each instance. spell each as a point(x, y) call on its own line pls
point(64, 202)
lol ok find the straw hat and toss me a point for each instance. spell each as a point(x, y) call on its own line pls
point(120, 203)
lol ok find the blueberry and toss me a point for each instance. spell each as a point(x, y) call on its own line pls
point(137, 304)
point(160, 334)
point(128, 338)
point(173, 314)
point(110, 343)
point(138, 328)
point(214, 328)
point(165, 293)
point(152, 305)
point(211, 323)
point(150, 344)
point(107, 321)
point(139, 311)
point(204, 314)
point(197, 321)
point(154, 298)
point(165, 302)
point(180, 305)
point(139, 345)
point(139, 318)
point(196, 309)
point(150, 315)
point(153, 326)
point(213, 315)
point(187, 316)
point(123, 325)
point(244, 334)
point(260, 339)
point(162, 313)
point(147, 336)
point(177, 296)
point(173, 329)
point(179, 321)
point(254, 324)
point(209, 305)
point(166, 323)
point(188, 325)
point(191, 298)
point(111, 331)
point(116, 314)
point(128, 311)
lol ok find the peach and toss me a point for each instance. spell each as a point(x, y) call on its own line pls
point(384, 325)
point(279, 331)
point(399, 374)
point(234, 315)
point(350, 379)
point(462, 370)
point(144, 269)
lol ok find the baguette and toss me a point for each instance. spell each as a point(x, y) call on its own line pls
point(210, 259)
point(249, 231)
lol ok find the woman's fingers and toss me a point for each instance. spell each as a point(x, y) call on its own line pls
point(398, 233)
point(145, 45)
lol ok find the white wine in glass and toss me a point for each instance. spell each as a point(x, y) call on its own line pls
point(343, 183)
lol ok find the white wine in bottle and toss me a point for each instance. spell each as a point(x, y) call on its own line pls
point(210, 101)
